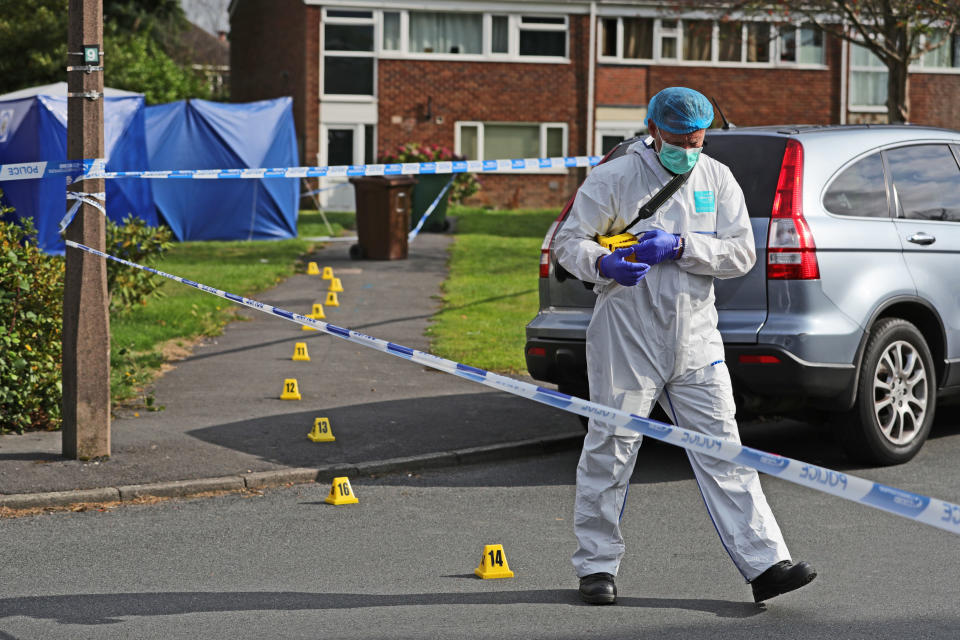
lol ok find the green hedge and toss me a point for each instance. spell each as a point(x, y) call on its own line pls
point(31, 318)
point(31, 296)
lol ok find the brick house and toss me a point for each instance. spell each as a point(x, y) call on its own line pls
point(506, 79)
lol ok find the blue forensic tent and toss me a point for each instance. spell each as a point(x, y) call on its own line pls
point(33, 127)
point(198, 134)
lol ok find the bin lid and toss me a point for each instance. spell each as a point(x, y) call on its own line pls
point(386, 181)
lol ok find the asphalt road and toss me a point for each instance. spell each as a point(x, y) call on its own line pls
point(399, 564)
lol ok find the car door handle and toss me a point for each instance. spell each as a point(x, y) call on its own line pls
point(922, 238)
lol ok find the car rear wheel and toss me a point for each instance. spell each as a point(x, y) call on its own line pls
point(896, 396)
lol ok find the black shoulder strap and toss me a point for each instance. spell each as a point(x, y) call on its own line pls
point(659, 198)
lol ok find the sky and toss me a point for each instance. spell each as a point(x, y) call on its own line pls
point(210, 15)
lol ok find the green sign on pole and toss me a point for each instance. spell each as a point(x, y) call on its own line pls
point(91, 54)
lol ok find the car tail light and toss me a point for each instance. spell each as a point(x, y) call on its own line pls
point(756, 359)
point(546, 264)
point(538, 352)
point(791, 253)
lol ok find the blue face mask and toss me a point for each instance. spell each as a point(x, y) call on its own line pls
point(677, 159)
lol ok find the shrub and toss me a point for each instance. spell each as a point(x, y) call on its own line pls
point(31, 299)
point(464, 185)
point(136, 242)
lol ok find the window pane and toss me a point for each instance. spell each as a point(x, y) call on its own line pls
point(608, 37)
point(369, 144)
point(668, 24)
point(927, 181)
point(446, 32)
point(697, 36)
point(541, 20)
point(391, 31)
point(868, 88)
point(511, 141)
point(638, 38)
point(468, 142)
point(861, 56)
point(543, 43)
point(758, 42)
point(500, 36)
point(811, 45)
point(668, 47)
point(730, 38)
point(859, 191)
point(348, 37)
point(788, 44)
point(609, 142)
point(341, 13)
point(939, 57)
point(339, 147)
point(554, 142)
point(352, 76)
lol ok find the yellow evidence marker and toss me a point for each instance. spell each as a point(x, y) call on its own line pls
point(317, 313)
point(313, 269)
point(332, 299)
point(335, 285)
point(300, 352)
point(291, 391)
point(493, 563)
point(340, 492)
point(322, 432)
point(327, 273)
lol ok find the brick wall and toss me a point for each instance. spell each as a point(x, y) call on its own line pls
point(935, 99)
point(748, 96)
point(272, 41)
point(621, 85)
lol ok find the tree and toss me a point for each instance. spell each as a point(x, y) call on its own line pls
point(898, 32)
point(139, 35)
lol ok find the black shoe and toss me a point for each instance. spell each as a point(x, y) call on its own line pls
point(598, 588)
point(781, 578)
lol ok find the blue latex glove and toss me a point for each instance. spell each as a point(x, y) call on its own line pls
point(656, 246)
point(616, 266)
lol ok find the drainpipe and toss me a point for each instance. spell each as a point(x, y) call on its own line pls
point(844, 48)
point(591, 72)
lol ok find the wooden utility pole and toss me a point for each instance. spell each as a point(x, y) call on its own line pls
point(86, 321)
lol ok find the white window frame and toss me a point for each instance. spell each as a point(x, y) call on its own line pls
point(373, 21)
point(864, 108)
point(514, 27)
point(544, 126)
point(919, 66)
point(796, 35)
point(660, 32)
point(613, 128)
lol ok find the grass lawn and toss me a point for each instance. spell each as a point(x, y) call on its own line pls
point(491, 292)
point(184, 313)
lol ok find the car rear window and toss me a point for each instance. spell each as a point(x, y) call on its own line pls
point(755, 163)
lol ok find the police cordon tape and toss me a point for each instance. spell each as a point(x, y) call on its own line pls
point(934, 512)
point(94, 169)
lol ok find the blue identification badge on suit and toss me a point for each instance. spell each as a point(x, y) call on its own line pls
point(704, 202)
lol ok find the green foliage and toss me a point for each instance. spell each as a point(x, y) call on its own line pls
point(33, 43)
point(136, 242)
point(139, 35)
point(138, 63)
point(465, 184)
point(31, 297)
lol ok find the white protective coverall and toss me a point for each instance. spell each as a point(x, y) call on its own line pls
point(658, 340)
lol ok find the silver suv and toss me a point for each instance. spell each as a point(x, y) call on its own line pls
point(854, 303)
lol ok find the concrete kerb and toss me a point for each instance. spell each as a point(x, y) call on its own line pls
point(283, 477)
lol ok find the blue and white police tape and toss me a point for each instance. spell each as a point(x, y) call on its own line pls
point(934, 512)
point(94, 170)
point(426, 214)
point(72, 170)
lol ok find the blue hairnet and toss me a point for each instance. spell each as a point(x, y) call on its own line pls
point(680, 110)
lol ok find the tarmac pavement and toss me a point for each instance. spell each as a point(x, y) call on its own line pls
point(225, 428)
